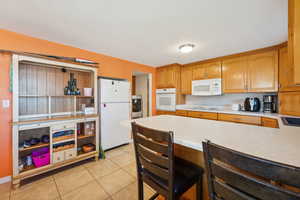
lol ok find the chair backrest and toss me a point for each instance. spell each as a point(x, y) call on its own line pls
point(235, 175)
point(155, 158)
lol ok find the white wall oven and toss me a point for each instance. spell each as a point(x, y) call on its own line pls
point(207, 87)
point(166, 99)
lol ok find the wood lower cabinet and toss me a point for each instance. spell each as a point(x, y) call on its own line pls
point(202, 115)
point(245, 119)
point(263, 72)
point(164, 112)
point(289, 103)
point(234, 75)
point(186, 79)
point(269, 122)
point(183, 113)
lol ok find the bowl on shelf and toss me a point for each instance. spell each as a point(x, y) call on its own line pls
point(88, 148)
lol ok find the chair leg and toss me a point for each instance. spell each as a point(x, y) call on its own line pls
point(141, 189)
point(199, 189)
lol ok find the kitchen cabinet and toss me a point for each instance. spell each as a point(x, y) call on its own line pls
point(234, 75)
point(183, 113)
point(203, 115)
point(294, 38)
point(164, 112)
point(263, 72)
point(255, 73)
point(289, 103)
point(168, 76)
point(254, 120)
point(186, 79)
point(207, 71)
point(269, 122)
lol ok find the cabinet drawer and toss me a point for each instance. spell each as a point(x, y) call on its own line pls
point(70, 153)
point(58, 156)
point(240, 119)
point(269, 122)
point(58, 127)
point(203, 115)
point(181, 113)
point(164, 112)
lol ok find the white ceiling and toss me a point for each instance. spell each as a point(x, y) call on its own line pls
point(150, 31)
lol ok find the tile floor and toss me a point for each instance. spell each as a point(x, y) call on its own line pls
point(111, 179)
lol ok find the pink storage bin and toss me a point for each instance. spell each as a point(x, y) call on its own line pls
point(41, 157)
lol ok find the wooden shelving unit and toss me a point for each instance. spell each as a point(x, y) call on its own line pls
point(40, 107)
point(85, 136)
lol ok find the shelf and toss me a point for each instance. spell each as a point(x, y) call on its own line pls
point(35, 147)
point(64, 148)
point(85, 136)
point(62, 141)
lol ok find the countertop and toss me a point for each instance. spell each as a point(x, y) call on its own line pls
point(225, 110)
point(280, 145)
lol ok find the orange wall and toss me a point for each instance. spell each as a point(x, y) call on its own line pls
point(109, 66)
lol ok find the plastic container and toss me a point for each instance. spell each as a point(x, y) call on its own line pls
point(41, 157)
point(87, 92)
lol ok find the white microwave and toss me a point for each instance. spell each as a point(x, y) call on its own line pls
point(166, 99)
point(207, 87)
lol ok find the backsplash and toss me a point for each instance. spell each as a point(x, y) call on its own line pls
point(223, 100)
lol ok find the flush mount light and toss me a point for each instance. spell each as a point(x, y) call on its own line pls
point(186, 48)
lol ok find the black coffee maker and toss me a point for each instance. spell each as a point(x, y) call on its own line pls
point(270, 103)
point(252, 104)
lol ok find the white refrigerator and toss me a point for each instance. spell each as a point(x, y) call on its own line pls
point(114, 108)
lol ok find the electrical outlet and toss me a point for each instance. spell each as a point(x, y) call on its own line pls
point(5, 103)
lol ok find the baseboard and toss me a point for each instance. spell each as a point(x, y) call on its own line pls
point(5, 179)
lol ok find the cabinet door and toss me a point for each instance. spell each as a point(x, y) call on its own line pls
point(160, 78)
point(263, 72)
point(203, 115)
point(199, 72)
point(234, 75)
point(213, 70)
point(173, 76)
point(289, 103)
point(286, 72)
point(254, 120)
point(186, 79)
point(294, 37)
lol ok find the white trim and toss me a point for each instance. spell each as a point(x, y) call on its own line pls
point(5, 179)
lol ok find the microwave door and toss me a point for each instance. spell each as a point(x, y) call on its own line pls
point(201, 87)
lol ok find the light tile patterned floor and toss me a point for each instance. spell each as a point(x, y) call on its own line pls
point(111, 179)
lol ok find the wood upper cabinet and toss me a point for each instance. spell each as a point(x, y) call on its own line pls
point(213, 70)
point(186, 79)
point(168, 76)
point(263, 72)
point(294, 38)
point(289, 103)
point(207, 71)
point(254, 73)
point(234, 75)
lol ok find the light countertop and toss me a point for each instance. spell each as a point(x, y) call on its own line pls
point(225, 110)
point(280, 145)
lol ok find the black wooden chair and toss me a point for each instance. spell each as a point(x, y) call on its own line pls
point(235, 175)
point(169, 176)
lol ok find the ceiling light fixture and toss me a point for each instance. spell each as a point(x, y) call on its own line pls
point(186, 48)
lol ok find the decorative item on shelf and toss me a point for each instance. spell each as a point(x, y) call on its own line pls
point(88, 92)
point(88, 147)
point(41, 157)
point(89, 110)
point(89, 128)
point(71, 88)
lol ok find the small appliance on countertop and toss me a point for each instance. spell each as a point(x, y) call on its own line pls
point(252, 104)
point(270, 103)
